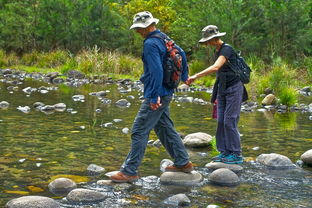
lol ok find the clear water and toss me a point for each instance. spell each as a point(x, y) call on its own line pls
point(36, 147)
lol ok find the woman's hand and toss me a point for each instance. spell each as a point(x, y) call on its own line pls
point(191, 79)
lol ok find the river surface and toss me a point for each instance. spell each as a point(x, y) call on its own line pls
point(36, 148)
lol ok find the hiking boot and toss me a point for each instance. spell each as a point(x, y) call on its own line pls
point(120, 177)
point(185, 168)
point(219, 157)
point(233, 159)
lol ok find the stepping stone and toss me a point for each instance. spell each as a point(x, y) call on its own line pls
point(181, 178)
point(217, 165)
point(224, 177)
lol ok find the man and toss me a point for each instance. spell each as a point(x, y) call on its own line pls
point(154, 111)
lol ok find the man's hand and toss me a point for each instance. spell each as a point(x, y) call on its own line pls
point(155, 106)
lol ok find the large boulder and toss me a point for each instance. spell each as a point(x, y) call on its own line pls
point(270, 99)
point(32, 202)
point(217, 165)
point(62, 186)
point(198, 139)
point(224, 177)
point(85, 195)
point(274, 160)
point(181, 178)
point(307, 157)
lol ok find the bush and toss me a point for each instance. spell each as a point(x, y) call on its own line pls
point(288, 96)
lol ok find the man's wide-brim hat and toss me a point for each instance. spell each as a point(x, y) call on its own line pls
point(209, 32)
point(143, 20)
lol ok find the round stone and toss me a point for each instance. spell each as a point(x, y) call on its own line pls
point(181, 178)
point(217, 165)
point(62, 186)
point(274, 160)
point(84, 195)
point(198, 139)
point(32, 202)
point(307, 157)
point(224, 177)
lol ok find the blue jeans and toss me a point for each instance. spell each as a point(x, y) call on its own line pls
point(159, 120)
point(229, 107)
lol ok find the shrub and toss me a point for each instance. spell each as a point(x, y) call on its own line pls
point(288, 96)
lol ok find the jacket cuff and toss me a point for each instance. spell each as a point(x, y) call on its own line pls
point(154, 100)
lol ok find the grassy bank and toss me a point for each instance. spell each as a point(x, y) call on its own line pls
point(281, 77)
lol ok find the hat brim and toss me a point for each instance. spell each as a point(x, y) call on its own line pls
point(144, 25)
point(213, 36)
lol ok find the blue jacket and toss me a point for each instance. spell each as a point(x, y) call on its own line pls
point(154, 54)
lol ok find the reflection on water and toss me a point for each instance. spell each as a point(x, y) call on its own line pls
point(37, 147)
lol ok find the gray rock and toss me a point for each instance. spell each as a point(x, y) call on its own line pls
point(125, 130)
point(60, 107)
point(52, 74)
point(101, 94)
point(217, 165)
point(84, 195)
point(74, 74)
point(95, 169)
point(181, 178)
point(123, 103)
point(38, 104)
point(104, 182)
point(224, 177)
point(270, 99)
point(62, 186)
point(24, 109)
point(48, 108)
point(185, 99)
point(178, 200)
point(274, 160)
point(4, 105)
point(78, 97)
point(58, 80)
point(165, 163)
point(197, 140)
point(307, 157)
point(32, 202)
point(157, 143)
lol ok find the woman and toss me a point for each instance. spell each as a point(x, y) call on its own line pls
point(229, 92)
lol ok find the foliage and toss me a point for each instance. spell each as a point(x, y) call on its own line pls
point(288, 96)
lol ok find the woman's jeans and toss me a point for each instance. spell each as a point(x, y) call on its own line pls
point(229, 107)
point(159, 120)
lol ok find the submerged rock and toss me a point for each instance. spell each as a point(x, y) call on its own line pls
point(38, 104)
point(197, 140)
point(178, 200)
point(123, 103)
point(95, 169)
point(62, 186)
point(217, 165)
point(307, 157)
point(24, 109)
point(274, 160)
point(32, 202)
point(224, 177)
point(4, 105)
point(181, 178)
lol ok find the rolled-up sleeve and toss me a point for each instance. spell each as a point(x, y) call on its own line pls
point(155, 68)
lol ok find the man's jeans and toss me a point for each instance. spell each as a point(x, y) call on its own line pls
point(145, 121)
point(229, 107)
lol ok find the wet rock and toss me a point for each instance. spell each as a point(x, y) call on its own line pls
point(150, 142)
point(224, 177)
point(74, 74)
point(181, 178)
point(306, 89)
point(123, 103)
point(60, 107)
point(24, 109)
point(268, 91)
point(32, 202)
point(4, 105)
point(29, 90)
point(165, 163)
point(38, 104)
point(58, 80)
point(98, 110)
point(106, 101)
point(255, 148)
point(95, 169)
point(274, 160)
point(200, 101)
point(217, 165)
point(78, 97)
point(131, 97)
point(198, 139)
point(213, 206)
point(106, 125)
point(101, 94)
point(84, 195)
point(178, 200)
point(270, 99)
point(125, 130)
point(117, 120)
point(299, 163)
point(157, 143)
point(307, 157)
point(7, 71)
point(48, 108)
point(52, 75)
point(185, 99)
point(62, 186)
point(104, 182)
point(14, 88)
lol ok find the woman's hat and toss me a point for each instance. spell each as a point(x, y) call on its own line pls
point(143, 20)
point(209, 32)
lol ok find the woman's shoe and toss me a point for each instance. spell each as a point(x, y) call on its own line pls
point(233, 159)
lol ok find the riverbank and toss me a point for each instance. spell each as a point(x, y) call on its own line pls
point(282, 79)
